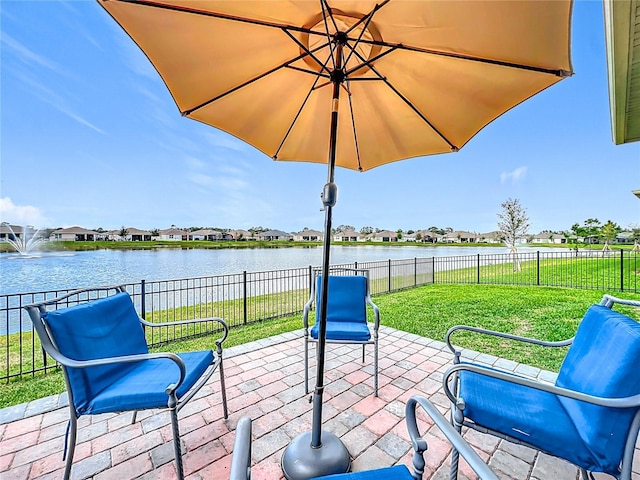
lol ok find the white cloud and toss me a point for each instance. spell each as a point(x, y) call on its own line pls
point(515, 176)
point(26, 55)
point(20, 214)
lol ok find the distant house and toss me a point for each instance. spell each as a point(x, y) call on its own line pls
point(548, 237)
point(133, 235)
point(460, 236)
point(408, 237)
point(384, 236)
point(349, 236)
point(624, 237)
point(206, 234)
point(308, 236)
point(426, 236)
point(240, 235)
point(490, 237)
point(73, 234)
point(271, 235)
point(173, 234)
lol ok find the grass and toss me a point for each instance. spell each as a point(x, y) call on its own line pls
point(547, 313)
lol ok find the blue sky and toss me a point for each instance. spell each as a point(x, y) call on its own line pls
point(91, 137)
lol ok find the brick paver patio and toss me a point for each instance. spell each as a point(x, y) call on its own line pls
point(265, 382)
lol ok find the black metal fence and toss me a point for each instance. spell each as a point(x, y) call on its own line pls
point(249, 297)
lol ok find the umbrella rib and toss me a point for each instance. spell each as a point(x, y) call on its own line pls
point(521, 66)
point(410, 105)
point(453, 147)
point(326, 9)
point(222, 16)
point(367, 19)
point(286, 64)
point(367, 63)
point(295, 119)
point(310, 53)
point(355, 132)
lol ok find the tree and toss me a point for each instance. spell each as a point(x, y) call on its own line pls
point(609, 231)
point(366, 230)
point(513, 224)
point(592, 226)
point(344, 228)
point(399, 233)
point(123, 233)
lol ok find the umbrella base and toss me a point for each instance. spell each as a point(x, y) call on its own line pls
point(300, 461)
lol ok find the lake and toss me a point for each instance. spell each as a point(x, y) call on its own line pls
point(68, 270)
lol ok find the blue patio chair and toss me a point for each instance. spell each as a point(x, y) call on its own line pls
point(589, 417)
point(100, 344)
point(241, 458)
point(346, 315)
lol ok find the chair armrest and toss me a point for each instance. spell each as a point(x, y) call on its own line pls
point(376, 312)
point(218, 342)
point(69, 362)
point(420, 445)
point(622, 402)
point(305, 313)
point(241, 458)
point(508, 336)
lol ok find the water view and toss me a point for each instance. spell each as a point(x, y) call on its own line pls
point(67, 270)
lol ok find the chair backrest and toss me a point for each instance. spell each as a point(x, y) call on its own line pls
point(106, 327)
point(346, 300)
point(603, 361)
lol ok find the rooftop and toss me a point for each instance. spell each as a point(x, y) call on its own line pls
point(265, 382)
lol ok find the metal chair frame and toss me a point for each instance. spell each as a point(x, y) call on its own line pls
point(451, 384)
point(174, 405)
point(374, 334)
point(241, 459)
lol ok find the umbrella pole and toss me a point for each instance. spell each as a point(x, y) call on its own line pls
point(319, 453)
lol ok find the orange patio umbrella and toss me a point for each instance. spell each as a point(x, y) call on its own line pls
point(354, 84)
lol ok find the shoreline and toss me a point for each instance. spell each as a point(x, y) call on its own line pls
point(62, 246)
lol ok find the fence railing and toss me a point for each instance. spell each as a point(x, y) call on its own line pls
point(249, 297)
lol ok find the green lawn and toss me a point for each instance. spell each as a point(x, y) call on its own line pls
point(542, 312)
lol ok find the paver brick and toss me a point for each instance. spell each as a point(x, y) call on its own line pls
point(381, 422)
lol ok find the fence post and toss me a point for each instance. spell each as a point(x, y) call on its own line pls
point(478, 268)
point(415, 271)
point(389, 274)
point(310, 279)
point(244, 295)
point(433, 269)
point(143, 303)
point(538, 267)
point(621, 270)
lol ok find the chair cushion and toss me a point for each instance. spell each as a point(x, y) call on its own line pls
point(355, 332)
point(106, 327)
point(602, 361)
point(347, 299)
point(524, 413)
point(144, 385)
point(399, 472)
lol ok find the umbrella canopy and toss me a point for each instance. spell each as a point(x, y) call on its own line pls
point(421, 77)
point(416, 78)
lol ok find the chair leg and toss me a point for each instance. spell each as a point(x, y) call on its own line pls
point(70, 444)
point(457, 418)
point(176, 443)
point(306, 366)
point(363, 353)
point(224, 391)
point(375, 368)
point(134, 416)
